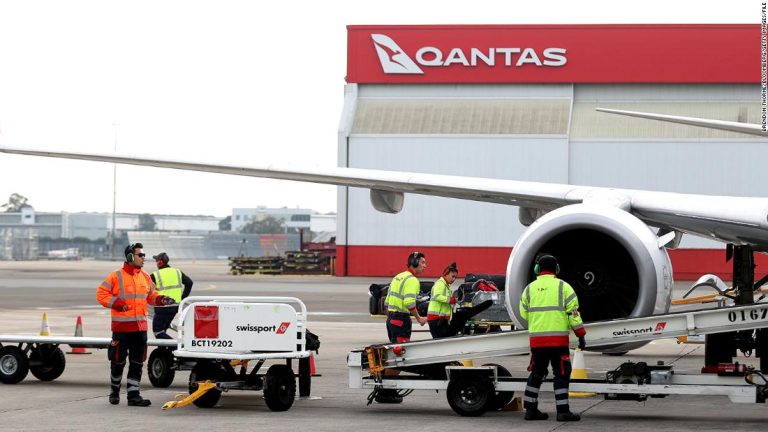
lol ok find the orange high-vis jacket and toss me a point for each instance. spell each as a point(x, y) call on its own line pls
point(132, 287)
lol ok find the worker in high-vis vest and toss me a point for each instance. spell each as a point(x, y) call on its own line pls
point(401, 305)
point(127, 292)
point(170, 282)
point(441, 303)
point(551, 308)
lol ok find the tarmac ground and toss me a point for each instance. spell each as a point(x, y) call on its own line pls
point(338, 314)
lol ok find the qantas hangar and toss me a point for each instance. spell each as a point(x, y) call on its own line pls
point(518, 102)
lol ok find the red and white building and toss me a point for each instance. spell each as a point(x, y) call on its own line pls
point(518, 102)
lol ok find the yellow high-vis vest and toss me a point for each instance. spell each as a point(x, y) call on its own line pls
point(168, 283)
point(440, 300)
point(402, 292)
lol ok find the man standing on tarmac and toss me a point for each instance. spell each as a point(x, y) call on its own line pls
point(127, 292)
point(401, 304)
point(168, 282)
point(551, 308)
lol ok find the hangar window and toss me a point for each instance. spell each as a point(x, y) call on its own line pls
point(462, 116)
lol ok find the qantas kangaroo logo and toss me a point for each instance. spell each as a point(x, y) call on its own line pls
point(393, 59)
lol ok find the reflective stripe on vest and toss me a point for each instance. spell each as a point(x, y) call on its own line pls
point(439, 302)
point(168, 283)
point(396, 300)
point(546, 307)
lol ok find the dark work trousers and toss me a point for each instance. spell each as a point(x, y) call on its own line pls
point(131, 347)
point(541, 358)
point(439, 328)
point(398, 327)
point(443, 328)
point(162, 321)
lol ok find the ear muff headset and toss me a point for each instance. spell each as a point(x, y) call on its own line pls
point(537, 267)
point(413, 259)
point(129, 254)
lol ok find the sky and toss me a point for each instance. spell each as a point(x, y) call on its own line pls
point(236, 82)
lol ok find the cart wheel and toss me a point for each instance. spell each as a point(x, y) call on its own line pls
point(500, 399)
point(469, 396)
point(279, 387)
point(160, 368)
point(205, 370)
point(14, 365)
point(47, 362)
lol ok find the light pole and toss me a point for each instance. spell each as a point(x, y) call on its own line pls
point(115, 124)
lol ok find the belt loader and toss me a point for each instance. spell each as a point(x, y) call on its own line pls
point(471, 391)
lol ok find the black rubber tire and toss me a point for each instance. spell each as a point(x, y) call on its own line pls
point(470, 396)
point(160, 368)
point(279, 387)
point(500, 399)
point(52, 362)
point(205, 370)
point(14, 365)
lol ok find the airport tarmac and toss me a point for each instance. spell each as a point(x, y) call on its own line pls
point(338, 314)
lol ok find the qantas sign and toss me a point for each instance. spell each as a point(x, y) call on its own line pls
point(394, 60)
point(484, 54)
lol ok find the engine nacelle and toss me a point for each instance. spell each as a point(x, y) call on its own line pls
point(611, 259)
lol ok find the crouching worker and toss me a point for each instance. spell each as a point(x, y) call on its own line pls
point(552, 309)
point(127, 292)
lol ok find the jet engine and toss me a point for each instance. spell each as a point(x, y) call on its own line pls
point(612, 260)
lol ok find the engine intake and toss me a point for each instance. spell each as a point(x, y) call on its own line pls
point(611, 259)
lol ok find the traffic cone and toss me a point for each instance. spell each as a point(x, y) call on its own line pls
point(45, 329)
point(579, 371)
point(79, 333)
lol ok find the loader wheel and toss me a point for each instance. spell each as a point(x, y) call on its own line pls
point(470, 396)
point(47, 362)
point(160, 368)
point(279, 387)
point(14, 365)
point(500, 399)
point(205, 370)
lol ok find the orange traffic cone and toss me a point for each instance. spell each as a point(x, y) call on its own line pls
point(312, 369)
point(579, 371)
point(45, 329)
point(79, 333)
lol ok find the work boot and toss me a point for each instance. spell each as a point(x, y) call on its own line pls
point(536, 415)
point(139, 401)
point(568, 416)
point(114, 398)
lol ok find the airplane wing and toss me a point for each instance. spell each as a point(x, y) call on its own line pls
point(746, 128)
point(739, 220)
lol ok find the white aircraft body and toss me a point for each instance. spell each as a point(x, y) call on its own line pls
point(611, 243)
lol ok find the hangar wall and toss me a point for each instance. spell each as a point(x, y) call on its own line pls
point(518, 132)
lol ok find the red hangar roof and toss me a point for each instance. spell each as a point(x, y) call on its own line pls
point(554, 54)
